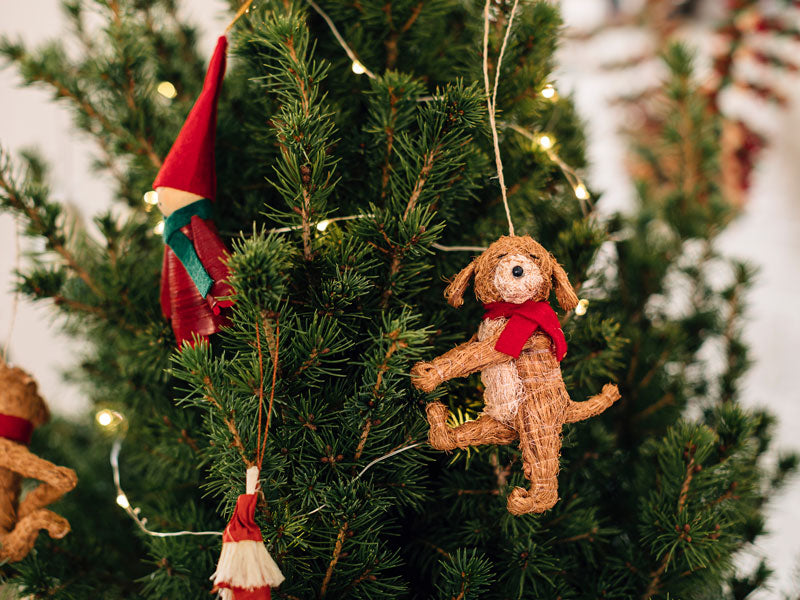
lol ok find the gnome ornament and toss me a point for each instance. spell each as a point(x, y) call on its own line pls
point(194, 275)
point(245, 570)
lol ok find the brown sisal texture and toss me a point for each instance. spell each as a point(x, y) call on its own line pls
point(483, 269)
point(20, 522)
point(525, 398)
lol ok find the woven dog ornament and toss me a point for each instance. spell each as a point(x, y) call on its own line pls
point(517, 350)
point(21, 411)
point(194, 287)
point(245, 570)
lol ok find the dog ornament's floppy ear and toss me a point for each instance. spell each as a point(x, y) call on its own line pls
point(565, 294)
point(455, 291)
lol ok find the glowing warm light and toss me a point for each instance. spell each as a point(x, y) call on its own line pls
point(583, 306)
point(323, 225)
point(546, 142)
point(358, 68)
point(151, 197)
point(122, 500)
point(166, 89)
point(159, 228)
point(581, 193)
point(549, 91)
point(104, 418)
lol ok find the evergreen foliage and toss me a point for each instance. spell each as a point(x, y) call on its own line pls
point(657, 494)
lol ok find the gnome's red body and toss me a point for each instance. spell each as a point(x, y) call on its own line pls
point(194, 275)
point(181, 301)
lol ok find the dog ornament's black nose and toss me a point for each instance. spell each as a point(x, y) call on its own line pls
point(517, 271)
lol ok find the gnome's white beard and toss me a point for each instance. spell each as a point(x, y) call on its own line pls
point(248, 565)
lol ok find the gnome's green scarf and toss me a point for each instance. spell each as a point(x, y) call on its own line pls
point(182, 246)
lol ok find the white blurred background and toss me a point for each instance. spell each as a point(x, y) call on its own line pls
point(767, 234)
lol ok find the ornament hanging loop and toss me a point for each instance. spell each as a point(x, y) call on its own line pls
point(251, 484)
point(491, 99)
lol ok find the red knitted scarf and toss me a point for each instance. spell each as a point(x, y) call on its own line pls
point(523, 320)
point(16, 429)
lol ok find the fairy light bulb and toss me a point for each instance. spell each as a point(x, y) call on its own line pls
point(323, 225)
point(122, 501)
point(581, 193)
point(582, 307)
point(151, 197)
point(358, 68)
point(104, 418)
point(546, 142)
point(159, 228)
point(166, 89)
point(549, 91)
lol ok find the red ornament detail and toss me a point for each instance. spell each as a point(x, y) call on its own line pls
point(524, 319)
point(190, 165)
point(181, 302)
point(264, 593)
point(242, 525)
point(15, 429)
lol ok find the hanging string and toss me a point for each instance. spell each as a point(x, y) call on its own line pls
point(491, 98)
point(260, 388)
point(15, 298)
point(262, 445)
point(242, 9)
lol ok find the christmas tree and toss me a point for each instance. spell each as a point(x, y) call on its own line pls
point(356, 172)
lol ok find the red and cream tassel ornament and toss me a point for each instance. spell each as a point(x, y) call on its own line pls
point(245, 570)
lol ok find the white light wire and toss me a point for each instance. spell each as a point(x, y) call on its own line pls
point(134, 512)
point(350, 54)
point(364, 470)
point(142, 523)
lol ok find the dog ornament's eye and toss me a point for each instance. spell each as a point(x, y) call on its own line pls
point(517, 271)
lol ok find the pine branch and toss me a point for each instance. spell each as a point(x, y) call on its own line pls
point(667, 399)
point(655, 576)
point(228, 419)
point(427, 164)
point(15, 200)
point(390, 131)
point(397, 343)
point(391, 42)
point(397, 253)
point(306, 216)
point(139, 146)
point(337, 551)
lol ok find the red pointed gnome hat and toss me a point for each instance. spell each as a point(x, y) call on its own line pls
point(242, 526)
point(190, 166)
